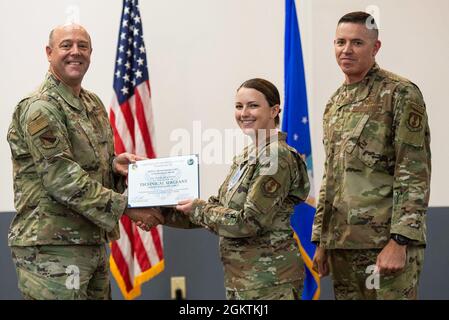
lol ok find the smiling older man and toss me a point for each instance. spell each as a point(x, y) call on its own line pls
point(66, 180)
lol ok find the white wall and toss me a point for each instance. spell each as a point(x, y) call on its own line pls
point(199, 51)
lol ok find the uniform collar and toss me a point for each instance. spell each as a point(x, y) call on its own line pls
point(356, 92)
point(65, 92)
point(249, 153)
point(281, 136)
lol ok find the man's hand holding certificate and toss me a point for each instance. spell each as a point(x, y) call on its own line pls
point(163, 181)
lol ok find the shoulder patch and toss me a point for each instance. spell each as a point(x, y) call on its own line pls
point(48, 139)
point(270, 186)
point(415, 118)
point(37, 124)
point(413, 124)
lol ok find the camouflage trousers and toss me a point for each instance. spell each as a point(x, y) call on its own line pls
point(285, 291)
point(354, 278)
point(62, 272)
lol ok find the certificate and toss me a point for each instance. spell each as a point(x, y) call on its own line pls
point(163, 181)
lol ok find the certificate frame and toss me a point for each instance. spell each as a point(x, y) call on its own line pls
point(163, 181)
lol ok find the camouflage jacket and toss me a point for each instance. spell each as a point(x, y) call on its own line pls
point(377, 170)
point(62, 151)
point(251, 215)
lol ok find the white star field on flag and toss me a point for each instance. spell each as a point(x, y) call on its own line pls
point(131, 65)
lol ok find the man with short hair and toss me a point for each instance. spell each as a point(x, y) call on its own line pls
point(66, 180)
point(375, 189)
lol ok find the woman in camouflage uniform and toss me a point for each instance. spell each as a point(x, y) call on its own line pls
point(251, 213)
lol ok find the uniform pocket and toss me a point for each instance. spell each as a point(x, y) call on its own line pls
point(237, 194)
point(83, 149)
point(366, 142)
point(355, 134)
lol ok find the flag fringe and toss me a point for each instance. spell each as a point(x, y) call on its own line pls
point(309, 264)
point(138, 280)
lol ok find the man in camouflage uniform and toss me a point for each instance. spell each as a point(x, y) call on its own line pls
point(66, 180)
point(252, 211)
point(370, 219)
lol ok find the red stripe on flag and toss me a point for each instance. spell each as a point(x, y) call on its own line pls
point(118, 143)
point(149, 88)
point(121, 265)
point(141, 120)
point(129, 119)
point(141, 254)
point(157, 242)
point(136, 244)
point(128, 227)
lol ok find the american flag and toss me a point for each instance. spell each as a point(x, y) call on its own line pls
point(138, 255)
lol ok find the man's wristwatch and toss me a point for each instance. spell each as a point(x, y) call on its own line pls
point(401, 240)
